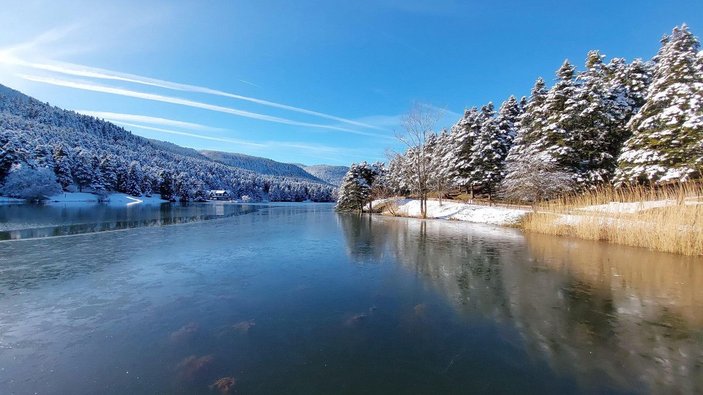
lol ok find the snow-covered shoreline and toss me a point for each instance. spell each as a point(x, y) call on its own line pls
point(451, 210)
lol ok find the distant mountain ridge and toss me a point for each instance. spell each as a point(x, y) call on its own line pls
point(89, 154)
point(259, 165)
point(320, 173)
point(330, 174)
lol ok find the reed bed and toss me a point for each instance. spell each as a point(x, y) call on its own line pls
point(668, 218)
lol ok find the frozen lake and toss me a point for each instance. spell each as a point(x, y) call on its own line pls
point(297, 299)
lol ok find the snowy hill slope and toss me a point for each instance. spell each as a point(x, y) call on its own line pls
point(89, 154)
point(259, 165)
point(330, 174)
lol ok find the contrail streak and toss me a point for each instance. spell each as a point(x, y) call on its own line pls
point(185, 102)
point(83, 71)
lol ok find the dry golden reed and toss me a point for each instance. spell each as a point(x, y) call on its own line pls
point(666, 218)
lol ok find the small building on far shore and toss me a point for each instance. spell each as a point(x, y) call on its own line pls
point(219, 194)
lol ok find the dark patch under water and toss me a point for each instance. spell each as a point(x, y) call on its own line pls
point(299, 300)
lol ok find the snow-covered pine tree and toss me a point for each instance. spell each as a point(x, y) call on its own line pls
point(523, 104)
point(43, 156)
point(377, 180)
point(595, 118)
point(633, 78)
point(488, 153)
point(97, 184)
point(108, 172)
point(491, 148)
point(166, 185)
point(82, 170)
point(181, 189)
point(354, 191)
point(358, 186)
point(8, 157)
point(508, 118)
point(555, 141)
point(463, 135)
point(667, 134)
point(397, 175)
point(133, 183)
point(530, 121)
point(62, 166)
point(440, 164)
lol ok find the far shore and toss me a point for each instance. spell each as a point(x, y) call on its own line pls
point(657, 224)
point(503, 215)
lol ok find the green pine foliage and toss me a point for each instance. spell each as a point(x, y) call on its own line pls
point(667, 134)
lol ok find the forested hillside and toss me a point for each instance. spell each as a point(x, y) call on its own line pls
point(610, 123)
point(260, 165)
point(87, 154)
point(330, 174)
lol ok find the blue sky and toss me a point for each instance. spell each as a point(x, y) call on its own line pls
point(307, 81)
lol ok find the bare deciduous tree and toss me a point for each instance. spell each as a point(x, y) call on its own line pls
point(417, 125)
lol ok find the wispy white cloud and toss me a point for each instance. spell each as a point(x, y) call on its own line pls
point(48, 37)
point(91, 72)
point(120, 117)
point(321, 151)
point(187, 134)
point(184, 102)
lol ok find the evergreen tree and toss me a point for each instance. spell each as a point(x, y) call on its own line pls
point(440, 163)
point(508, 118)
point(108, 172)
point(181, 187)
point(398, 175)
point(464, 134)
point(354, 190)
point(488, 153)
point(82, 170)
point(8, 157)
point(133, 185)
point(595, 118)
point(166, 185)
point(62, 167)
point(667, 134)
point(531, 120)
point(358, 186)
point(555, 139)
point(43, 156)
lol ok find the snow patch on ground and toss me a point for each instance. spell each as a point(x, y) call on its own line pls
point(458, 211)
point(632, 207)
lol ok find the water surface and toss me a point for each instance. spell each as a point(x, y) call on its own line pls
point(26, 221)
point(298, 299)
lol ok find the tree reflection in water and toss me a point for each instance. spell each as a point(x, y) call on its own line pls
point(594, 311)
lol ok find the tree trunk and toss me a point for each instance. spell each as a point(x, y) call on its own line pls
point(423, 205)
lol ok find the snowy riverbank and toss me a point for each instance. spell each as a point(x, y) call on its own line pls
point(451, 210)
point(114, 199)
